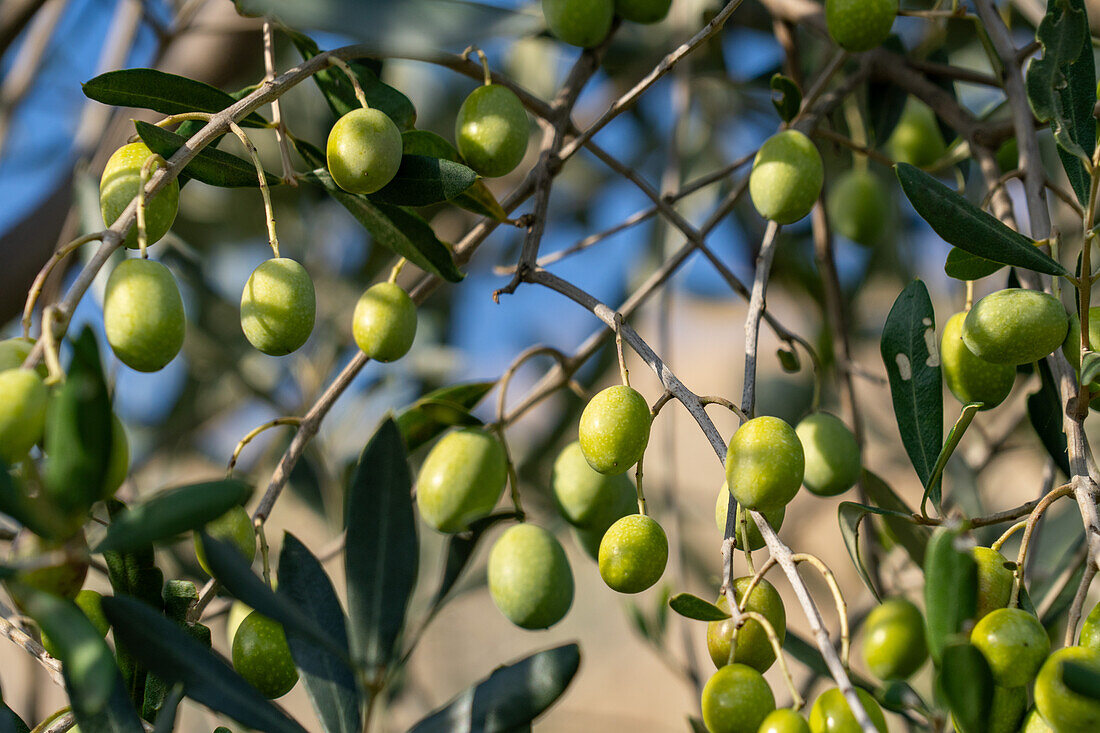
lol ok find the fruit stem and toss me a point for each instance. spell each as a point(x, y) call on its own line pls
point(513, 477)
point(258, 523)
point(397, 269)
point(53, 364)
point(40, 279)
point(506, 378)
point(643, 509)
point(796, 699)
point(1032, 520)
point(487, 75)
point(272, 238)
point(251, 435)
point(857, 131)
point(353, 78)
point(146, 172)
point(1008, 534)
point(838, 599)
point(623, 371)
point(969, 296)
point(743, 537)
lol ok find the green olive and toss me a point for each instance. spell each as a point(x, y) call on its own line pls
point(614, 429)
point(753, 647)
point(529, 577)
point(14, 351)
point(364, 151)
point(461, 479)
point(23, 402)
point(832, 714)
point(643, 11)
point(1034, 723)
point(1064, 709)
point(1005, 711)
point(917, 138)
point(587, 498)
point(860, 25)
point(832, 454)
point(1090, 630)
point(143, 315)
point(278, 307)
point(119, 186)
point(91, 603)
point(893, 640)
point(970, 378)
point(736, 699)
point(583, 23)
point(262, 657)
point(384, 322)
point(491, 130)
point(61, 579)
point(786, 179)
point(756, 540)
point(234, 527)
point(1008, 155)
point(994, 581)
point(1014, 643)
point(784, 720)
point(858, 205)
point(623, 501)
point(1071, 347)
point(765, 464)
point(1015, 326)
point(633, 554)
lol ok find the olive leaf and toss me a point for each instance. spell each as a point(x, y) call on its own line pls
point(967, 683)
point(963, 265)
point(950, 588)
point(786, 97)
point(438, 410)
point(211, 166)
point(162, 92)
point(696, 608)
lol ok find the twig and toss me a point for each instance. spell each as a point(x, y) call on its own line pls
point(276, 107)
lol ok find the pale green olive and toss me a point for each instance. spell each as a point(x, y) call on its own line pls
point(736, 699)
point(143, 315)
point(614, 429)
point(23, 402)
point(461, 479)
point(529, 577)
point(786, 179)
point(119, 186)
point(832, 454)
point(1015, 326)
point(583, 23)
point(970, 378)
point(491, 130)
point(633, 554)
point(364, 151)
point(278, 307)
point(384, 322)
point(753, 647)
point(765, 463)
point(860, 25)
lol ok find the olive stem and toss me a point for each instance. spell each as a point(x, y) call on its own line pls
point(53, 364)
point(251, 435)
point(48, 721)
point(643, 508)
point(353, 78)
point(484, 62)
point(624, 373)
point(146, 171)
point(999, 543)
point(276, 106)
point(743, 535)
point(857, 131)
point(969, 296)
point(258, 523)
point(398, 266)
point(510, 372)
point(1076, 609)
point(513, 477)
point(269, 211)
point(1032, 520)
point(796, 699)
point(40, 279)
point(715, 400)
point(838, 598)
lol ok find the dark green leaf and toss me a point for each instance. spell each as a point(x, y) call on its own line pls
point(118, 716)
point(885, 100)
point(179, 596)
point(932, 485)
point(161, 92)
point(964, 225)
point(172, 654)
point(1081, 679)
point(788, 360)
point(329, 681)
point(963, 265)
point(696, 725)
point(950, 588)
point(460, 548)
point(912, 537)
point(911, 356)
point(422, 181)
point(967, 684)
point(166, 716)
point(694, 607)
point(786, 96)
point(1090, 367)
point(339, 93)
point(850, 514)
point(419, 425)
point(511, 696)
point(173, 512)
point(477, 198)
point(213, 167)
point(38, 516)
point(381, 555)
point(1044, 410)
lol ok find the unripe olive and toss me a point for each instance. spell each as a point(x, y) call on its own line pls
point(1014, 643)
point(384, 322)
point(736, 699)
point(14, 351)
point(143, 315)
point(832, 454)
point(765, 463)
point(917, 138)
point(234, 527)
point(529, 577)
point(633, 554)
point(624, 501)
point(786, 177)
point(262, 657)
point(753, 647)
point(858, 205)
point(278, 307)
point(784, 720)
point(586, 498)
point(832, 714)
point(614, 429)
point(1008, 155)
point(491, 130)
point(61, 579)
point(1015, 326)
point(238, 612)
point(461, 479)
point(970, 378)
point(1035, 723)
point(23, 402)
point(1062, 708)
point(91, 603)
point(643, 11)
point(1071, 347)
point(994, 581)
point(119, 185)
point(364, 151)
point(894, 646)
point(756, 540)
point(583, 23)
point(860, 25)
point(1090, 630)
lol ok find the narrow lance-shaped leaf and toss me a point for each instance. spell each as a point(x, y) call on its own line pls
point(694, 607)
point(419, 422)
point(912, 537)
point(161, 92)
point(964, 225)
point(460, 550)
point(912, 360)
point(477, 198)
point(422, 181)
point(950, 588)
point(963, 265)
point(211, 166)
point(967, 683)
point(1044, 411)
point(850, 514)
point(932, 485)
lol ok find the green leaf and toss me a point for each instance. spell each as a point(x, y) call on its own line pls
point(932, 485)
point(213, 167)
point(460, 549)
point(38, 516)
point(963, 265)
point(950, 588)
point(179, 596)
point(912, 537)
point(173, 512)
point(166, 716)
point(161, 92)
point(118, 716)
point(1081, 679)
point(329, 682)
point(78, 433)
point(912, 360)
point(964, 225)
point(381, 555)
point(477, 198)
point(511, 696)
point(339, 93)
point(1044, 410)
point(885, 100)
point(423, 181)
point(423, 420)
point(786, 96)
point(850, 514)
point(1090, 367)
point(967, 683)
point(172, 654)
point(694, 607)
point(1061, 87)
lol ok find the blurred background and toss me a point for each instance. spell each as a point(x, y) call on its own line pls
point(638, 660)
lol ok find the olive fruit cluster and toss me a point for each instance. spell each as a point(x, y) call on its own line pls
point(586, 23)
